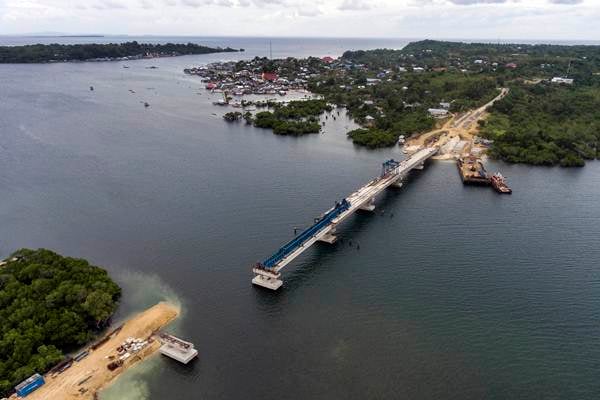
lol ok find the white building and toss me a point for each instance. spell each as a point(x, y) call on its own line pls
point(565, 81)
point(438, 112)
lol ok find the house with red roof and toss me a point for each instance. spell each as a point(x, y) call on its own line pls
point(269, 76)
point(328, 59)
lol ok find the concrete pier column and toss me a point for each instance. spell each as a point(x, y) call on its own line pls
point(369, 205)
point(330, 237)
point(398, 184)
point(267, 283)
point(420, 166)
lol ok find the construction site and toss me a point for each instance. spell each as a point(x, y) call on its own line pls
point(81, 377)
point(457, 139)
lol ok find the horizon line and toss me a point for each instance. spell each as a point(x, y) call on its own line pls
point(470, 39)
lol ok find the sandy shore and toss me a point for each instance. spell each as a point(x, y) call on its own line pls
point(85, 378)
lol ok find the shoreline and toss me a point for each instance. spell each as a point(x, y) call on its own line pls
point(86, 378)
point(114, 59)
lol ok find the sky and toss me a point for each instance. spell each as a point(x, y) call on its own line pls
point(435, 19)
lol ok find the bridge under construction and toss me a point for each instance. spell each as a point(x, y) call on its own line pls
point(268, 273)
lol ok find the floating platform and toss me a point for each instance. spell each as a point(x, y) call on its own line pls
point(177, 349)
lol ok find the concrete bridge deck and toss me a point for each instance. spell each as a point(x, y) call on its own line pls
point(267, 274)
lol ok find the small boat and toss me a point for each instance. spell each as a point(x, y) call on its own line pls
point(146, 105)
point(92, 88)
point(499, 184)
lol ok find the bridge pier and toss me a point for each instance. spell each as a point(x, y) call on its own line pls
point(329, 237)
point(398, 184)
point(268, 279)
point(369, 205)
point(267, 283)
point(420, 166)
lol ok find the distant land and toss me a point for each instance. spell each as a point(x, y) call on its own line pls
point(546, 113)
point(81, 36)
point(46, 53)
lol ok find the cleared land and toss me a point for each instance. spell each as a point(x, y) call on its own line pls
point(463, 127)
point(86, 377)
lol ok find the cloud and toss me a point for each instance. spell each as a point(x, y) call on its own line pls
point(471, 2)
point(355, 5)
point(202, 3)
point(146, 4)
point(472, 19)
point(109, 5)
point(309, 11)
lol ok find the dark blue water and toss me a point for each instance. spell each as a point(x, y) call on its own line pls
point(462, 294)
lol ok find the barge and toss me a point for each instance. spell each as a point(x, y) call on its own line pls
point(472, 171)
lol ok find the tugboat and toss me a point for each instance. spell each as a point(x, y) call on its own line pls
point(499, 184)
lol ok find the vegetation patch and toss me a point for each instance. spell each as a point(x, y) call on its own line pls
point(41, 53)
point(546, 125)
point(233, 116)
point(373, 138)
point(49, 305)
point(296, 118)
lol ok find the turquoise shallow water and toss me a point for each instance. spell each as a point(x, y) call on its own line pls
point(461, 294)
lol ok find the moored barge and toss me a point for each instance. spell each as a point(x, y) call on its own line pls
point(472, 171)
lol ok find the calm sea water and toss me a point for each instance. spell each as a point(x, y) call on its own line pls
point(461, 294)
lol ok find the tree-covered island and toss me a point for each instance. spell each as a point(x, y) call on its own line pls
point(44, 53)
point(296, 118)
point(49, 305)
